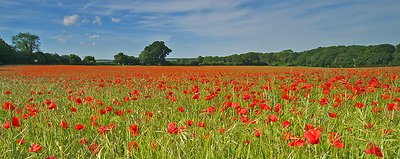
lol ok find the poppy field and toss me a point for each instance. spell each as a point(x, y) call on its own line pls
point(199, 112)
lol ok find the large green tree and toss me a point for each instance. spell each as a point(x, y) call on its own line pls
point(7, 55)
point(26, 42)
point(71, 59)
point(124, 59)
point(154, 54)
point(89, 60)
point(121, 58)
point(133, 60)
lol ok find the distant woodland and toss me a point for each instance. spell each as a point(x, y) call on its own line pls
point(25, 50)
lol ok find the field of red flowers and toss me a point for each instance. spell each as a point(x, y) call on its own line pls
point(199, 112)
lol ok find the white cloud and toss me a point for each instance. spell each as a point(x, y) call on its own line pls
point(116, 20)
point(96, 20)
point(92, 44)
point(70, 20)
point(85, 20)
point(94, 36)
point(202, 17)
point(167, 6)
point(89, 4)
point(61, 38)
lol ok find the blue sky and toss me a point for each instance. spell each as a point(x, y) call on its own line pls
point(194, 28)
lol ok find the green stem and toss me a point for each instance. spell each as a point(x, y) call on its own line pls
point(10, 136)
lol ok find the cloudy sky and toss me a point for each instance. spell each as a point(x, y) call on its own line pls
point(194, 28)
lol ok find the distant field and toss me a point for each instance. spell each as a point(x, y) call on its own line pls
point(199, 112)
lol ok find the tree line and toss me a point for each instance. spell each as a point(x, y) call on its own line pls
point(333, 56)
point(25, 50)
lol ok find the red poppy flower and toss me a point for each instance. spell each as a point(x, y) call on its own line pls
point(180, 109)
point(172, 128)
point(72, 110)
point(83, 141)
point(273, 118)
point(78, 101)
point(35, 148)
point(323, 101)
point(154, 145)
point(308, 127)
point(6, 125)
point(195, 96)
point(7, 92)
point(102, 111)
point(189, 122)
point(182, 128)
point(312, 136)
point(256, 133)
point(332, 115)
point(285, 123)
point(94, 148)
point(93, 118)
point(373, 149)
point(195, 89)
point(108, 108)
point(297, 143)
point(119, 112)
point(334, 139)
point(20, 141)
point(391, 106)
point(211, 109)
point(134, 129)
point(51, 106)
point(244, 119)
point(264, 106)
point(64, 125)
point(201, 124)
point(149, 114)
point(235, 105)
point(102, 130)
point(8, 106)
point(242, 111)
point(384, 96)
point(284, 96)
point(15, 121)
point(278, 107)
point(359, 105)
point(246, 96)
point(79, 127)
point(47, 101)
